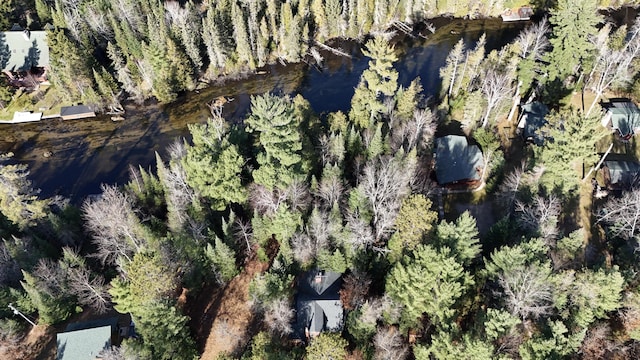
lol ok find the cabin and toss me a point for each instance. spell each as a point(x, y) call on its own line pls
point(520, 14)
point(76, 112)
point(532, 119)
point(318, 305)
point(620, 174)
point(24, 52)
point(457, 162)
point(622, 116)
point(85, 340)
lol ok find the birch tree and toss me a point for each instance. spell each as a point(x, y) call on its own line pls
point(613, 67)
point(112, 222)
point(621, 216)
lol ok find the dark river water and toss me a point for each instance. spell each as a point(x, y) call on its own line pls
point(87, 153)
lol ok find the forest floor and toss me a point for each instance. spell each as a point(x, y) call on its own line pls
point(222, 318)
point(39, 344)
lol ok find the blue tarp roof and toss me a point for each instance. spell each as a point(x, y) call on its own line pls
point(456, 160)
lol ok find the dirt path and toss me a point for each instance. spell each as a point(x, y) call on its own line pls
point(226, 317)
point(40, 343)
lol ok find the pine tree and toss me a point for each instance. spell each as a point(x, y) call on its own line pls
point(223, 260)
point(427, 281)
point(415, 220)
point(273, 118)
point(213, 165)
point(327, 347)
point(378, 81)
point(574, 24)
point(571, 143)
point(461, 237)
point(449, 72)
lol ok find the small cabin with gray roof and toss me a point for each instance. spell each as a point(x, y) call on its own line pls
point(620, 174)
point(457, 162)
point(318, 305)
point(623, 117)
point(532, 119)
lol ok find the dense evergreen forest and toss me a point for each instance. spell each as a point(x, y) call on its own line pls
point(287, 190)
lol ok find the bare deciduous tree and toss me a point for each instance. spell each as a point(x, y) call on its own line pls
point(115, 353)
point(622, 215)
point(613, 66)
point(417, 132)
point(527, 291)
point(385, 182)
point(243, 234)
point(330, 189)
point(265, 201)
point(533, 40)
point(511, 185)
point(355, 288)
point(298, 196)
point(540, 216)
point(496, 87)
point(390, 345)
point(278, 317)
point(89, 288)
point(114, 226)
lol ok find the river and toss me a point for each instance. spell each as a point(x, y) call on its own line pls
point(87, 153)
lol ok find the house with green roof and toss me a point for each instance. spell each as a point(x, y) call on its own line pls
point(457, 162)
point(623, 117)
point(318, 305)
point(532, 119)
point(85, 344)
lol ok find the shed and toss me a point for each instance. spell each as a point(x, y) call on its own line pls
point(531, 120)
point(20, 50)
point(26, 116)
point(520, 14)
point(83, 344)
point(318, 305)
point(623, 117)
point(456, 161)
point(76, 112)
point(620, 174)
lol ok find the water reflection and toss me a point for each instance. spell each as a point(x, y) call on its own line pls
point(87, 153)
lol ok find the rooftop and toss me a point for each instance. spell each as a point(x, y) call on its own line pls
point(456, 160)
point(22, 49)
point(83, 344)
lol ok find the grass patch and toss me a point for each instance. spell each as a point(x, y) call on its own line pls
point(46, 100)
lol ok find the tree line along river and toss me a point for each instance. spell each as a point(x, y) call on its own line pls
point(86, 153)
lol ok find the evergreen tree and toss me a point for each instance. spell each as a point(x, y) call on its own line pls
point(415, 220)
point(213, 165)
point(574, 24)
point(273, 118)
point(327, 347)
point(165, 332)
point(449, 72)
point(428, 281)
point(223, 259)
point(461, 237)
point(378, 81)
point(571, 143)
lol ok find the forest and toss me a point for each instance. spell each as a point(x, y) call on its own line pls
point(242, 210)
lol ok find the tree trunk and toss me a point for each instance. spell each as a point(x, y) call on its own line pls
point(516, 102)
point(593, 104)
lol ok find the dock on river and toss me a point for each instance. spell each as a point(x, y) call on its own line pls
point(520, 14)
